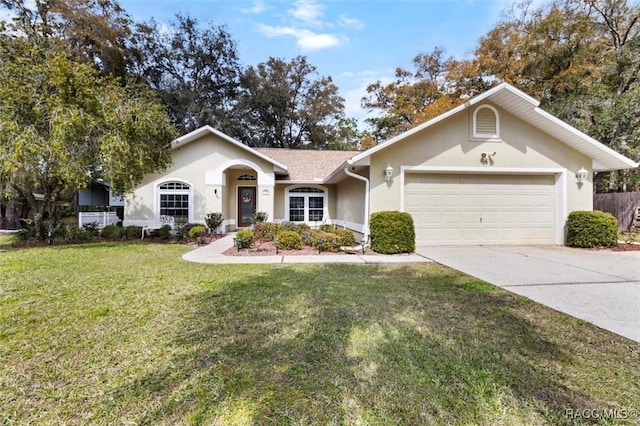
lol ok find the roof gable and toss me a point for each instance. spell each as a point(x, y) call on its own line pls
point(527, 109)
point(206, 130)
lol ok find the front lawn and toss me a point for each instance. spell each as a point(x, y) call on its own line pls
point(128, 333)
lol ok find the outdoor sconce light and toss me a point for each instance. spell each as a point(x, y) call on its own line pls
point(581, 175)
point(388, 172)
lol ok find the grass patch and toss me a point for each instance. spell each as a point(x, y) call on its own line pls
point(129, 333)
point(6, 240)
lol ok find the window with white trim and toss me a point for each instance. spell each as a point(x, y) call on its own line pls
point(306, 204)
point(486, 122)
point(174, 198)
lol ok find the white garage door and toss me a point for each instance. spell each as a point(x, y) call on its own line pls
point(482, 209)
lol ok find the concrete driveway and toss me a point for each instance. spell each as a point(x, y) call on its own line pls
point(599, 286)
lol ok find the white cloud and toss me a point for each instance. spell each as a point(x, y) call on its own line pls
point(352, 23)
point(258, 7)
point(306, 40)
point(308, 11)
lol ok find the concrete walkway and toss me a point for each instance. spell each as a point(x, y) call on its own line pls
point(213, 253)
point(598, 286)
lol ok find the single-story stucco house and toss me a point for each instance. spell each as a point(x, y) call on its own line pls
point(494, 170)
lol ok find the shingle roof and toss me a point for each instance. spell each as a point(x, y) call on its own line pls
point(308, 165)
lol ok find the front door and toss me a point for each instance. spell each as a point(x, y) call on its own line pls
point(246, 205)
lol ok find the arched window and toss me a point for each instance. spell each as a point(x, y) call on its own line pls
point(486, 122)
point(246, 177)
point(306, 204)
point(175, 200)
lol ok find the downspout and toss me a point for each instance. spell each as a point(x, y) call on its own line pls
point(365, 226)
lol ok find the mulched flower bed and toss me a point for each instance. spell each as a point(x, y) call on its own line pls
point(626, 247)
point(268, 248)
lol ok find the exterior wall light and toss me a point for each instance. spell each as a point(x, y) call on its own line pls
point(581, 175)
point(388, 173)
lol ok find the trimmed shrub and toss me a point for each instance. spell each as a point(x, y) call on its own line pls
point(244, 238)
point(92, 228)
point(327, 228)
point(213, 221)
point(132, 232)
point(591, 229)
point(290, 240)
point(329, 241)
point(112, 232)
point(392, 232)
point(288, 226)
point(346, 237)
point(265, 231)
point(197, 231)
point(77, 235)
point(164, 232)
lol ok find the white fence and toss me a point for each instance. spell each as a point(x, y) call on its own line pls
point(101, 219)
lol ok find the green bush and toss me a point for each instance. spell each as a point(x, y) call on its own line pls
point(329, 241)
point(26, 234)
point(78, 235)
point(164, 232)
point(346, 237)
point(259, 217)
point(302, 229)
point(197, 231)
point(213, 221)
point(112, 232)
point(132, 232)
point(392, 232)
point(265, 231)
point(290, 240)
point(244, 238)
point(182, 228)
point(288, 226)
point(591, 229)
point(327, 228)
point(92, 228)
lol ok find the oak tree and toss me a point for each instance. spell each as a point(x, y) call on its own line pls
point(286, 105)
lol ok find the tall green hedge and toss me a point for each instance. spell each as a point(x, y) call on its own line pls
point(392, 232)
point(591, 229)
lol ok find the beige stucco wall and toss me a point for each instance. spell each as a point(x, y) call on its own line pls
point(199, 164)
point(449, 144)
point(350, 195)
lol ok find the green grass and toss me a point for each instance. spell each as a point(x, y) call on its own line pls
point(131, 334)
point(6, 240)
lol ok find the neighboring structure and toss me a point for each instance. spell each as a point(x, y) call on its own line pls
point(98, 204)
point(495, 170)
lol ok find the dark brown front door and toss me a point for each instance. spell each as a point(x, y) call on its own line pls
point(246, 205)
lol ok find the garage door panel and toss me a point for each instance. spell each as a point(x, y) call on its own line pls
point(482, 209)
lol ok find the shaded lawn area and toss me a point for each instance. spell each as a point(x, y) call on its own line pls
point(130, 333)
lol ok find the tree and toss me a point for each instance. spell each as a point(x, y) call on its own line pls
point(284, 104)
point(195, 70)
point(97, 31)
point(413, 98)
point(62, 125)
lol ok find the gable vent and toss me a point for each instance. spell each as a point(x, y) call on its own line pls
point(485, 122)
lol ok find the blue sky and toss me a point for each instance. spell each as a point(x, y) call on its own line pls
point(356, 42)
